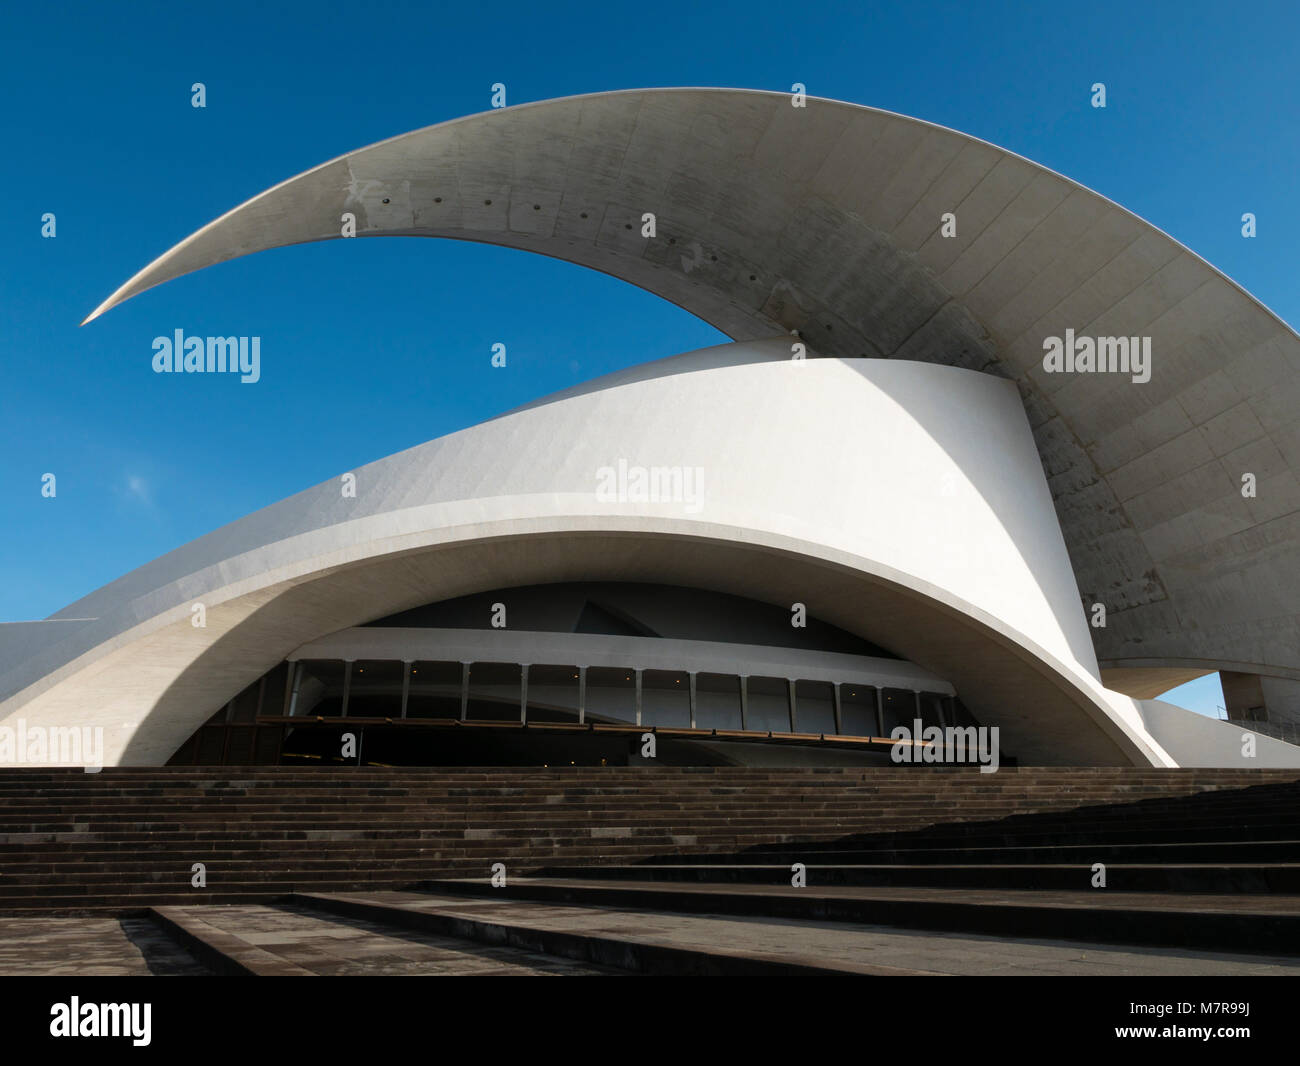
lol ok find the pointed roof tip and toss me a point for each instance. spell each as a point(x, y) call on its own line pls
point(107, 305)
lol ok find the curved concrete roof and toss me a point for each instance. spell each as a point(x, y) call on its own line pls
point(826, 219)
point(781, 517)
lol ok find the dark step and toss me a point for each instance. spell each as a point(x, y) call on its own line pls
point(1270, 926)
point(1145, 852)
point(1197, 878)
point(638, 954)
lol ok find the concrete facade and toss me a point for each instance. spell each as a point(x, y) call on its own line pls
point(868, 547)
point(1066, 489)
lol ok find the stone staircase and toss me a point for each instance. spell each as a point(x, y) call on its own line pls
point(123, 839)
point(1225, 839)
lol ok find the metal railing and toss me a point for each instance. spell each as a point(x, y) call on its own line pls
point(1287, 731)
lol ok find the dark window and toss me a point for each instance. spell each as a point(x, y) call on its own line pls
point(768, 700)
point(611, 694)
point(376, 689)
point(959, 714)
point(858, 710)
point(434, 690)
point(320, 687)
point(814, 707)
point(899, 708)
point(665, 698)
point(494, 692)
point(932, 709)
point(717, 701)
point(552, 693)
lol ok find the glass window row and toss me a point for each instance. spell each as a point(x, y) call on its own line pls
point(502, 692)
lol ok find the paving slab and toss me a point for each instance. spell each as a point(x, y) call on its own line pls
point(335, 946)
point(91, 947)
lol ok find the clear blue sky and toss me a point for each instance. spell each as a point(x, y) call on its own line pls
point(374, 346)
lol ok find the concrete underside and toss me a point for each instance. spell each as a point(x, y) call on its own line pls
point(1055, 722)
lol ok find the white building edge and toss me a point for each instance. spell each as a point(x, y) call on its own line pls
point(900, 498)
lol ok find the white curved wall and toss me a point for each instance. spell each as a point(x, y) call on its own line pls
point(921, 475)
point(1195, 740)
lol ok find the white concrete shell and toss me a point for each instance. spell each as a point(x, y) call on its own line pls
point(953, 517)
point(787, 514)
point(826, 219)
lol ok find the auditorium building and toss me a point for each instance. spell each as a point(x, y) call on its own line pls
point(879, 504)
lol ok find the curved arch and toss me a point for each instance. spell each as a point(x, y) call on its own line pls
point(789, 517)
point(1046, 713)
point(206, 242)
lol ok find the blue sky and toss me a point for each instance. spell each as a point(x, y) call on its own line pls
point(373, 346)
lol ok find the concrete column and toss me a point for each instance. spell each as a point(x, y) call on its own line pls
point(582, 695)
point(289, 687)
point(406, 684)
point(523, 694)
point(839, 723)
point(347, 687)
point(225, 738)
point(691, 682)
point(744, 701)
point(297, 684)
point(464, 690)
